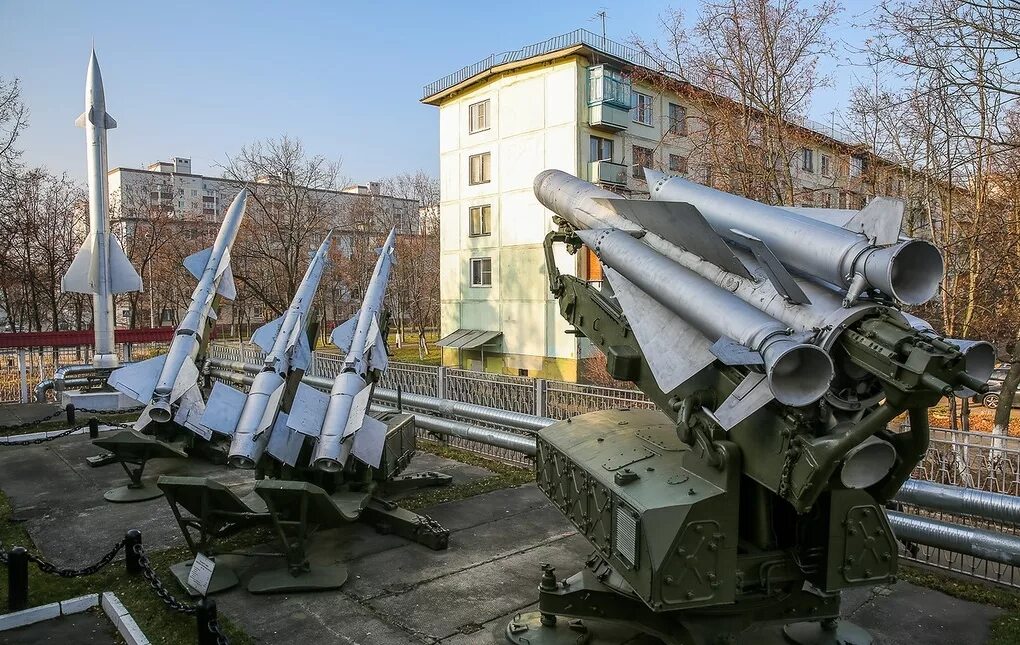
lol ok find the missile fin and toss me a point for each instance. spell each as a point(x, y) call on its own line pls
point(186, 379)
point(731, 352)
point(359, 408)
point(301, 354)
point(370, 441)
point(343, 335)
point(750, 396)
point(656, 329)
point(680, 224)
point(190, 410)
point(138, 380)
point(226, 287)
point(378, 358)
point(223, 409)
point(79, 276)
point(143, 419)
point(265, 336)
point(773, 268)
point(196, 262)
point(308, 410)
point(81, 120)
point(272, 407)
point(123, 277)
point(285, 443)
point(880, 221)
point(110, 122)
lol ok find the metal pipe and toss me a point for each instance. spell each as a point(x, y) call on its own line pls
point(59, 381)
point(960, 500)
point(488, 436)
point(979, 543)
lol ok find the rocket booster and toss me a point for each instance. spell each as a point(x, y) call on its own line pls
point(168, 384)
point(100, 267)
point(254, 418)
point(339, 419)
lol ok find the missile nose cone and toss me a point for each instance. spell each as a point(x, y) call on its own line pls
point(654, 177)
point(94, 81)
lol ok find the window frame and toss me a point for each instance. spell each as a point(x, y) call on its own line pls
point(636, 111)
point(677, 126)
point(637, 169)
point(471, 116)
point(481, 272)
point(612, 147)
point(825, 165)
point(481, 156)
point(807, 159)
point(484, 220)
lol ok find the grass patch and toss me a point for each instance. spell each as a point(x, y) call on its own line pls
point(1005, 629)
point(504, 476)
point(159, 623)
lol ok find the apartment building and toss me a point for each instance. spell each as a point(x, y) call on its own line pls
point(596, 109)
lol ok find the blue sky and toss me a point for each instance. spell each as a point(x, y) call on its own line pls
point(201, 79)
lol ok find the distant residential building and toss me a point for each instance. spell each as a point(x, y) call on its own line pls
point(599, 110)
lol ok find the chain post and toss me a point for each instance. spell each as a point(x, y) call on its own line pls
point(205, 617)
point(70, 413)
point(93, 428)
point(132, 558)
point(17, 579)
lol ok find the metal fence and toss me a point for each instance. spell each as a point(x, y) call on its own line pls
point(959, 458)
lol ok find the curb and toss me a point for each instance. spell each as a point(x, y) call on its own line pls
point(14, 438)
point(112, 607)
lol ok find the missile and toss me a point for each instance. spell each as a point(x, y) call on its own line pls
point(908, 270)
point(168, 384)
point(100, 267)
point(254, 419)
point(339, 420)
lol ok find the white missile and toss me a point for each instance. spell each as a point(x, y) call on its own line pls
point(100, 267)
point(339, 420)
point(254, 419)
point(168, 384)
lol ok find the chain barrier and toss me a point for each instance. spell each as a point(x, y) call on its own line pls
point(31, 442)
point(217, 632)
point(50, 568)
point(11, 429)
point(158, 587)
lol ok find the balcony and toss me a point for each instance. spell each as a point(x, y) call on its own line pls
point(607, 172)
point(608, 117)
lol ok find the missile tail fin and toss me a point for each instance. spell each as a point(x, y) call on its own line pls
point(196, 262)
point(680, 224)
point(226, 287)
point(370, 441)
point(285, 443)
point(343, 335)
point(750, 396)
point(359, 410)
point(138, 380)
point(881, 221)
point(110, 122)
point(190, 410)
point(265, 336)
point(773, 268)
point(308, 410)
point(123, 277)
point(223, 409)
point(378, 358)
point(301, 354)
point(79, 277)
point(81, 120)
point(657, 329)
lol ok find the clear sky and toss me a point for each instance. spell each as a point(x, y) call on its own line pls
point(201, 79)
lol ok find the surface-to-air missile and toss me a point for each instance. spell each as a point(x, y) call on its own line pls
point(253, 419)
point(773, 344)
point(168, 385)
point(339, 421)
point(100, 268)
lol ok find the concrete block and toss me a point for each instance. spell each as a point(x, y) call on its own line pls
point(113, 606)
point(79, 604)
point(29, 616)
point(122, 620)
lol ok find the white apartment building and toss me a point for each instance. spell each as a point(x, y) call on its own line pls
point(573, 103)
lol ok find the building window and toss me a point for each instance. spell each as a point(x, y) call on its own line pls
point(608, 85)
point(208, 200)
point(677, 120)
point(642, 160)
point(208, 211)
point(678, 164)
point(600, 149)
point(642, 108)
point(480, 220)
point(856, 166)
point(478, 116)
point(480, 168)
point(481, 272)
point(826, 199)
point(826, 166)
point(807, 159)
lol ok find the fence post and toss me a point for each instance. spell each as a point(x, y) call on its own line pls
point(23, 373)
point(17, 579)
point(205, 614)
point(441, 382)
point(540, 395)
point(69, 409)
point(93, 428)
point(132, 559)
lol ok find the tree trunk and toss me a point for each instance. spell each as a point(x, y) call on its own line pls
point(1008, 394)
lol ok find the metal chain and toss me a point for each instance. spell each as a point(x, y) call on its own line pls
point(784, 478)
point(28, 424)
point(124, 411)
point(48, 567)
point(215, 629)
point(157, 585)
point(38, 440)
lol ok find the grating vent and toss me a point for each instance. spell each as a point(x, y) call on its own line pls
point(625, 535)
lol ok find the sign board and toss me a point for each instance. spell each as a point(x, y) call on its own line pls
point(201, 574)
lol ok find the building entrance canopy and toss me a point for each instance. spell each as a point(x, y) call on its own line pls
point(470, 339)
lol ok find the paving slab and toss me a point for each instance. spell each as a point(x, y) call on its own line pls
point(12, 414)
point(87, 628)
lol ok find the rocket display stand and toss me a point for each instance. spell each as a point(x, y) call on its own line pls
point(215, 513)
point(130, 448)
